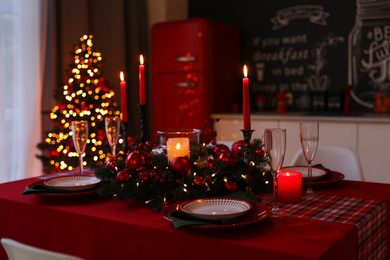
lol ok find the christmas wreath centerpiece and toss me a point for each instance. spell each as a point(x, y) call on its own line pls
point(145, 173)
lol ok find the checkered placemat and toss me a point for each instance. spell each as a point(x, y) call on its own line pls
point(367, 214)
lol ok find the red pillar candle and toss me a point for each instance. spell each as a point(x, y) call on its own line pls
point(142, 100)
point(246, 103)
point(123, 98)
point(290, 187)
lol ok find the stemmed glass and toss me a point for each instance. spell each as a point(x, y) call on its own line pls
point(275, 149)
point(112, 131)
point(80, 137)
point(309, 132)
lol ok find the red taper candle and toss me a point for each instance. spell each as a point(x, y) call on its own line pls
point(246, 103)
point(142, 99)
point(123, 98)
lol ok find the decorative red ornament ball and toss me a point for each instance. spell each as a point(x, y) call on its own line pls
point(144, 176)
point(131, 141)
point(180, 166)
point(259, 151)
point(209, 178)
point(220, 148)
point(135, 160)
point(155, 175)
point(238, 147)
point(199, 181)
point(210, 164)
point(111, 163)
point(122, 177)
point(231, 186)
point(227, 158)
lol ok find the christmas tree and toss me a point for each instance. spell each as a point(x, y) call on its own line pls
point(86, 96)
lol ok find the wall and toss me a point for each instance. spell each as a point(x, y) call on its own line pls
point(365, 134)
point(309, 49)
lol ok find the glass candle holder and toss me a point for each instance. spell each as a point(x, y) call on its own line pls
point(179, 142)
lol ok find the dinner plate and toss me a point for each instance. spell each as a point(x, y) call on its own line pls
point(258, 213)
point(317, 172)
point(216, 208)
point(62, 195)
point(328, 179)
point(73, 182)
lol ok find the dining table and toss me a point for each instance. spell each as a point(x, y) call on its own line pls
point(343, 220)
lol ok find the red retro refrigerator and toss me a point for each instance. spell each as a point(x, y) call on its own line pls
point(196, 71)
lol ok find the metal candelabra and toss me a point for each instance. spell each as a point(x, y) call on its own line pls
point(142, 117)
point(125, 127)
point(247, 160)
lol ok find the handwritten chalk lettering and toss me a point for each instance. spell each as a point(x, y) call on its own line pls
point(283, 55)
point(284, 87)
point(270, 88)
point(380, 35)
point(315, 14)
point(277, 72)
point(294, 39)
point(378, 57)
point(299, 86)
point(260, 67)
point(270, 42)
point(294, 71)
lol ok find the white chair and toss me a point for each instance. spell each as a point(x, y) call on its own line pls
point(19, 251)
point(227, 143)
point(337, 158)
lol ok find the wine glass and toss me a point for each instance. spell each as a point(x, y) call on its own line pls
point(112, 131)
point(275, 149)
point(80, 137)
point(309, 132)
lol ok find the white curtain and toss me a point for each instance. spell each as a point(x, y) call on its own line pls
point(22, 49)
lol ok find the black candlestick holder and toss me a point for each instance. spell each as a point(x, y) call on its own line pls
point(247, 160)
point(142, 117)
point(125, 127)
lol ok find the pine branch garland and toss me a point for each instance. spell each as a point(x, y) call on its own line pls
point(160, 185)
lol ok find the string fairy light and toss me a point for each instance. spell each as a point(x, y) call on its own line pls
point(84, 96)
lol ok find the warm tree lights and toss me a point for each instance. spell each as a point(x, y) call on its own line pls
point(86, 96)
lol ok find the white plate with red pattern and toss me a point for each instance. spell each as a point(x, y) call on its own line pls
point(73, 182)
point(216, 208)
point(317, 172)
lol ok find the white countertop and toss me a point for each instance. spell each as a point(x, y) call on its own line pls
point(320, 117)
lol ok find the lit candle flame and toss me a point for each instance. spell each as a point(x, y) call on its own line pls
point(245, 71)
point(141, 59)
point(121, 76)
point(178, 146)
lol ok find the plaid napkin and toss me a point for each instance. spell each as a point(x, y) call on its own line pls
point(181, 219)
point(40, 188)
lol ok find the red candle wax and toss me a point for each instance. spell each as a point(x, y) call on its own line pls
point(246, 103)
point(142, 99)
point(123, 98)
point(290, 187)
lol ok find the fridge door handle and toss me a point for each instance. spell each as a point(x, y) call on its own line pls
point(185, 59)
point(185, 84)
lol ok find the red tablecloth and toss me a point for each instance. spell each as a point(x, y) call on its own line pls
point(96, 228)
point(368, 215)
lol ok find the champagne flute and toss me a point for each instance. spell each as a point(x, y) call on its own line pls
point(112, 131)
point(80, 137)
point(275, 149)
point(309, 132)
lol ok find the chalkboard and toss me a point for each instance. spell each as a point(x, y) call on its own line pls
point(297, 47)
